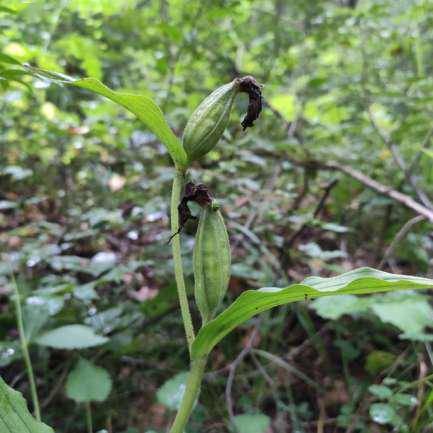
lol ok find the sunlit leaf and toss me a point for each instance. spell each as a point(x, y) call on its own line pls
point(357, 282)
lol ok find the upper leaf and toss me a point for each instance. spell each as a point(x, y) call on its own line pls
point(142, 106)
point(251, 302)
point(14, 415)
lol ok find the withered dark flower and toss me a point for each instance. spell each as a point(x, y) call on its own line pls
point(199, 194)
point(253, 89)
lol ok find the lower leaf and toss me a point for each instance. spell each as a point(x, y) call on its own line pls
point(251, 302)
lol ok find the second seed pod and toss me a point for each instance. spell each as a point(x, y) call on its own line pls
point(211, 262)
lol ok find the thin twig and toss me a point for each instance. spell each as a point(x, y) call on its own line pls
point(299, 349)
point(320, 205)
point(280, 362)
point(420, 394)
point(322, 415)
point(402, 233)
point(232, 371)
point(57, 387)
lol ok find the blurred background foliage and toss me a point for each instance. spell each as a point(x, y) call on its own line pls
point(84, 193)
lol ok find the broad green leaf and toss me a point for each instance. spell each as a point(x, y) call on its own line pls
point(14, 414)
point(142, 106)
point(87, 382)
point(251, 302)
point(254, 423)
point(71, 337)
point(171, 392)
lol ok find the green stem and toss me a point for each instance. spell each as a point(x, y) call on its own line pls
point(89, 421)
point(190, 395)
point(25, 350)
point(178, 182)
point(195, 375)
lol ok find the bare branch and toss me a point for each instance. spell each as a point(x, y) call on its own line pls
point(403, 199)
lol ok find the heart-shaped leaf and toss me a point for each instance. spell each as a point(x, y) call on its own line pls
point(87, 382)
point(251, 302)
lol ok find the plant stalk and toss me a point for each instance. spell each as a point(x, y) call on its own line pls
point(25, 350)
point(178, 182)
point(89, 422)
point(192, 390)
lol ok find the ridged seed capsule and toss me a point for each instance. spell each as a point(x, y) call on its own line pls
point(211, 261)
point(209, 120)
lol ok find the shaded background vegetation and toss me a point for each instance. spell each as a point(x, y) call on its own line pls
point(84, 193)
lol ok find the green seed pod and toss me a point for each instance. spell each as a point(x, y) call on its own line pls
point(209, 120)
point(211, 262)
